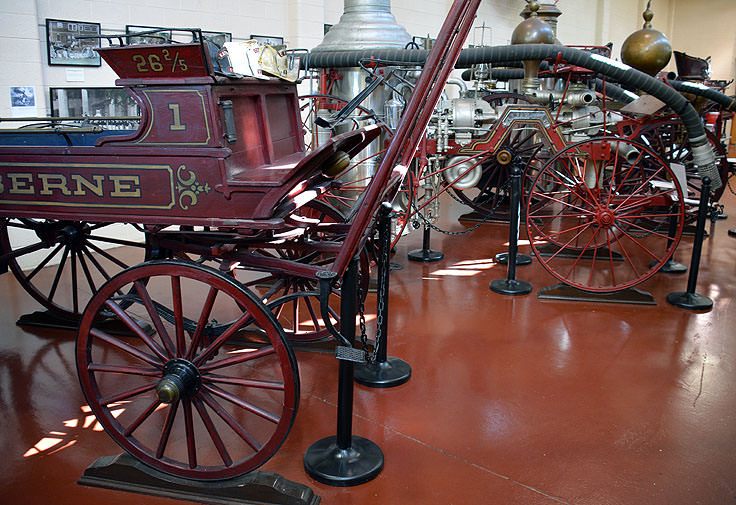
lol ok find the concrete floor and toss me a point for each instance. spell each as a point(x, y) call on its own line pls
point(513, 400)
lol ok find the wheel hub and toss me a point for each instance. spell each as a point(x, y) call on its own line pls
point(504, 156)
point(181, 380)
point(605, 218)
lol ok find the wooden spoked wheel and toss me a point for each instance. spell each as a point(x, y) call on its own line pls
point(173, 393)
point(603, 210)
point(61, 263)
point(293, 299)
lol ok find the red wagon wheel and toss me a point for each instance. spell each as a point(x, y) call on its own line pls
point(292, 299)
point(491, 195)
point(174, 394)
point(605, 204)
point(76, 255)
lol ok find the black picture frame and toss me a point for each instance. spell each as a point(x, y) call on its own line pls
point(268, 40)
point(63, 49)
point(153, 39)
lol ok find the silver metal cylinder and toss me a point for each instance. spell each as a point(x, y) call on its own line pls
point(364, 24)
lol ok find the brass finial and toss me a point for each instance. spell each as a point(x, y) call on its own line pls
point(648, 15)
point(533, 7)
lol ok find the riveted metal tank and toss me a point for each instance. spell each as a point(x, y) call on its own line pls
point(647, 49)
point(364, 24)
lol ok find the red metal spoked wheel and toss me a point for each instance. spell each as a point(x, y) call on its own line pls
point(174, 394)
point(74, 254)
point(606, 205)
point(491, 195)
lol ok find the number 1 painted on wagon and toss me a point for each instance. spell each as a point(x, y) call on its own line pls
point(177, 125)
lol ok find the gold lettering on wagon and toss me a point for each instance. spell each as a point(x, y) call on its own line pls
point(53, 181)
point(21, 184)
point(124, 186)
point(82, 183)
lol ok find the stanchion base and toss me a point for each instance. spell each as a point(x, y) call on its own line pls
point(511, 287)
point(564, 292)
point(395, 266)
point(425, 255)
point(732, 232)
point(384, 374)
point(124, 473)
point(521, 259)
point(670, 267)
point(328, 464)
point(690, 301)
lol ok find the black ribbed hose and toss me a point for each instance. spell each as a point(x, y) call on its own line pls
point(616, 71)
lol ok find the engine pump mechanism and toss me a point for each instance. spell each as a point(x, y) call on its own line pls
point(647, 49)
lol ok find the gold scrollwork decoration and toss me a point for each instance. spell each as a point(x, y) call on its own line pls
point(188, 187)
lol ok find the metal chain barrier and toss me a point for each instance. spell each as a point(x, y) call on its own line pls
point(486, 218)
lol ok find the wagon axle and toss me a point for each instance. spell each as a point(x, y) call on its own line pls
point(181, 380)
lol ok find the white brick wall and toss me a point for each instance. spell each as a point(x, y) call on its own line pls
point(23, 48)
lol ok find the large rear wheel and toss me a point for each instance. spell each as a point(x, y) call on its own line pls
point(175, 394)
point(603, 208)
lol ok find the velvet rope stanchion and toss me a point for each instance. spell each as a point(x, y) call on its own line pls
point(345, 459)
point(510, 285)
point(386, 371)
point(690, 299)
point(425, 254)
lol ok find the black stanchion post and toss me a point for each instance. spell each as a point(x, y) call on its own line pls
point(510, 285)
point(386, 371)
point(425, 254)
point(345, 459)
point(690, 299)
point(671, 266)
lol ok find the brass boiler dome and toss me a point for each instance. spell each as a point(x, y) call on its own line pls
point(647, 49)
point(532, 30)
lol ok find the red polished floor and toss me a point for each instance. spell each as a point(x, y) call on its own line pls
point(513, 400)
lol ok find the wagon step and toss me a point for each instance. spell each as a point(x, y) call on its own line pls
point(351, 354)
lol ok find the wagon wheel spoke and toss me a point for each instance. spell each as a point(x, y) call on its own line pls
point(166, 430)
point(231, 422)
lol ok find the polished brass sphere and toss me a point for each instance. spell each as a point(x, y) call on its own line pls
point(533, 30)
point(647, 49)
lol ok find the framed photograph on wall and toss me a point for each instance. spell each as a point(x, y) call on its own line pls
point(268, 40)
point(64, 48)
point(160, 37)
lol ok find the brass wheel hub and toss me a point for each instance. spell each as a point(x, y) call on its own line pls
point(504, 156)
point(181, 380)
